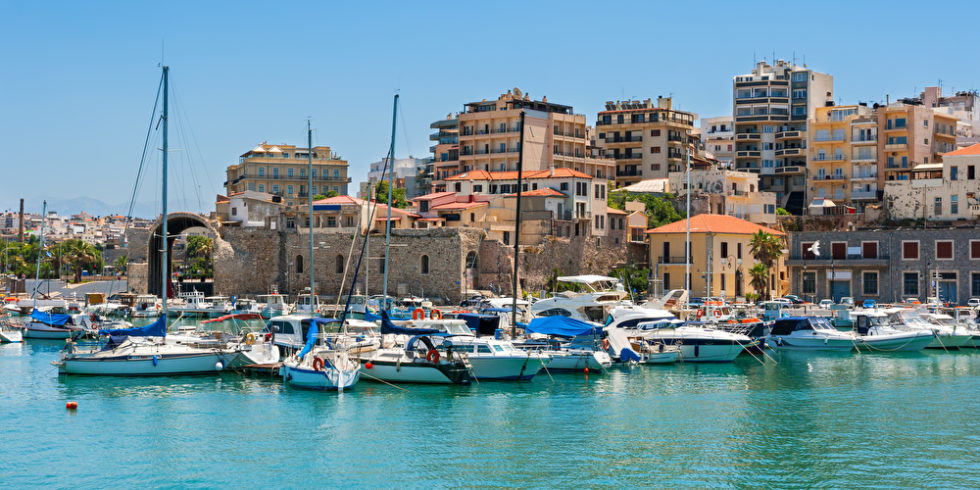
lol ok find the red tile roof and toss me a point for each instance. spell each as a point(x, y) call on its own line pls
point(434, 195)
point(546, 192)
point(458, 205)
point(715, 223)
point(969, 150)
point(610, 210)
point(512, 174)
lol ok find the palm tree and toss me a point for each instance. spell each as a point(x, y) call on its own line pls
point(121, 262)
point(200, 248)
point(766, 248)
point(80, 255)
point(760, 276)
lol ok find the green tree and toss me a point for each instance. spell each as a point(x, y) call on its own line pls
point(397, 195)
point(328, 195)
point(766, 248)
point(198, 254)
point(79, 256)
point(121, 262)
point(782, 212)
point(634, 279)
point(760, 276)
point(659, 210)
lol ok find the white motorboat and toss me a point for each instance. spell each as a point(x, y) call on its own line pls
point(145, 306)
point(246, 306)
point(8, 332)
point(573, 345)
point(290, 331)
point(273, 305)
point(321, 365)
point(424, 359)
point(601, 294)
point(144, 351)
point(876, 334)
point(809, 333)
point(193, 303)
point(697, 342)
point(949, 333)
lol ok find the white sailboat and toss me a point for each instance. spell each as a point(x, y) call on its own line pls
point(145, 351)
point(9, 333)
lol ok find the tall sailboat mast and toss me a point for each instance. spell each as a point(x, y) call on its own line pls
point(517, 228)
point(687, 246)
point(309, 193)
point(40, 252)
point(391, 183)
point(163, 256)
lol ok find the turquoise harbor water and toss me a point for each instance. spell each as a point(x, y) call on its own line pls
point(805, 420)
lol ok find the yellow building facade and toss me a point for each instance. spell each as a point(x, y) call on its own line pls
point(280, 170)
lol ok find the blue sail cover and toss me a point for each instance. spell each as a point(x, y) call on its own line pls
point(155, 329)
point(388, 327)
point(563, 326)
point(371, 317)
point(310, 340)
point(53, 319)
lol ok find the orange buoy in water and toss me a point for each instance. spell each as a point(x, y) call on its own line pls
point(368, 365)
point(71, 405)
point(586, 370)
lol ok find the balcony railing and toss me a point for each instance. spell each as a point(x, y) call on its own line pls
point(623, 139)
point(896, 146)
point(864, 176)
point(628, 173)
point(864, 194)
point(676, 260)
point(748, 136)
point(788, 134)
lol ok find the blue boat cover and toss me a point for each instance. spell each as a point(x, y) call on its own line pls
point(310, 340)
point(627, 355)
point(371, 317)
point(563, 326)
point(155, 329)
point(388, 327)
point(53, 319)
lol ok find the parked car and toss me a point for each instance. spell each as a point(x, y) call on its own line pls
point(785, 301)
point(826, 303)
point(794, 298)
point(869, 303)
point(913, 301)
point(973, 302)
point(847, 301)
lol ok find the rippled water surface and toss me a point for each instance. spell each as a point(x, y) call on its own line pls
point(801, 420)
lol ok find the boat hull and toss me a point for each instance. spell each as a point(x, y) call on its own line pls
point(160, 365)
point(41, 331)
point(789, 342)
point(498, 368)
point(327, 379)
point(954, 341)
point(895, 343)
point(11, 336)
point(661, 357)
point(596, 362)
point(406, 372)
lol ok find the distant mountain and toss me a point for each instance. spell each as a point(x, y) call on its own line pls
point(97, 207)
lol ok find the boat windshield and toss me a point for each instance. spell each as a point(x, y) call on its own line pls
point(821, 323)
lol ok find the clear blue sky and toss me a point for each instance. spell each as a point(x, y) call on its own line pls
point(78, 78)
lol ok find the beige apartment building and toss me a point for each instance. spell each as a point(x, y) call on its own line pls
point(445, 151)
point(719, 139)
point(554, 137)
point(731, 192)
point(946, 191)
point(646, 140)
point(842, 146)
point(771, 107)
point(911, 135)
point(280, 170)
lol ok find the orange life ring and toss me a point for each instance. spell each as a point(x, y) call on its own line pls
point(605, 344)
point(700, 313)
point(418, 314)
point(317, 364)
point(432, 356)
point(717, 314)
point(435, 314)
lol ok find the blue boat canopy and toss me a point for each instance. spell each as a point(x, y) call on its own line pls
point(563, 326)
point(155, 329)
point(310, 340)
point(53, 319)
point(388, 327)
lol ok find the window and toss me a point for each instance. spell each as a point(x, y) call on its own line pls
point(251, 186)
point(261, 171)
point(869, 250)
point(971, 172)
point(234, 211)
point(654, 149)
point(944, 250)
point(261, 187)
point(331, 221)
point(338, 264)
point(563, 186)
point(289, 172)
point(910, 250)
point(289, 190)
point(975, 249)
point(666, 281)
point(809, 283)
point(910, 284)
point(954, 204)
point(767, 129)
point(299, 264)
point(838, 250)
point(654, 132)
point(424, 265)
point(739, 248)
point(975, 284)
point(275, 189)
point(598, 194)
point(724, 250)
point(477, 188)
point(870, 284)
point(336, 173)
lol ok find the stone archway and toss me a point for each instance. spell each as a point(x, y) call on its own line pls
point(177, 223)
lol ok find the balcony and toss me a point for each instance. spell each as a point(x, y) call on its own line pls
point(680, 260)
point(570, 134)
point(633, 156)
point(675, 138)
point(828, 178)
point(861, 195)
point(789, 135)
point(889, 126)
point(623, 139)
point(628, 173)
point(789, 152)
point(513, 129)
point(828, 158)
point(789, 170)
point(864, 141)
point(897, 147)
point(748, 137)
point(748, 154)
point(881, 260)
point(864, 158)
point(864, 176)
point(828, 139)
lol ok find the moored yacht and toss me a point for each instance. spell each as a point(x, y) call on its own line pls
point(876, 334)
point(808, 333)
point(600, 294)
point(574, 346)
point(321, 365)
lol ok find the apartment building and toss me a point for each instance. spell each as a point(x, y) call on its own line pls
point(843, 155)
point(554, 137)
point(405, 172)
point(946, 191)
point(911, 135)
point(729, 192)
point(718, 135)
point(445, 151)
point(646, 140)
point(280, 170)
point(771, 107)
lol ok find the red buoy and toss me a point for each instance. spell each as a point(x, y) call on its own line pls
point(71, 405)
point(586, 370)
point(368, 365)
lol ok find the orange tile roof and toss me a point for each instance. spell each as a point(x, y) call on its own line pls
point(512, 174)
point(715, 223)
point(459, 205)
point(340, 200)
point(546, 192)
point(610, 210)
point(434, 195)
point(969, 150)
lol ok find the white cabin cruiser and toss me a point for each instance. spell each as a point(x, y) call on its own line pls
point(273, 305)
point(697, 342)
point(425, 358)
point(289, 331)
point(145, 306)
point(808, 333)
point(876, 334)
point(600, 294)
point(574, 346)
